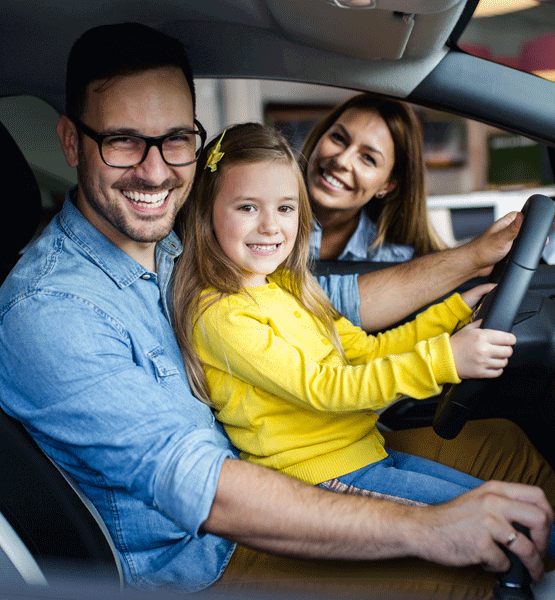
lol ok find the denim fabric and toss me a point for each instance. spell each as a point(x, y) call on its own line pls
point(89, 363)
point(405, 476)
point(342, 290)
point(359, 246)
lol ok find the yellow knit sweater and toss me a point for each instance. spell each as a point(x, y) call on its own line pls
point(286, 397)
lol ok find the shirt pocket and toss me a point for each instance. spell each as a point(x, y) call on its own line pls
point(165, 369)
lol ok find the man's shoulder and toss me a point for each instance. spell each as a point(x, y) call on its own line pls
point(53, 265)
point(33, 264)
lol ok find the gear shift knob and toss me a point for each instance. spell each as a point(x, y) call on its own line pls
point(515, 583)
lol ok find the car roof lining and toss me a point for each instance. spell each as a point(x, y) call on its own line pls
point(252, 39)
point(249, 38)
point(392, 29)
point(288, 60)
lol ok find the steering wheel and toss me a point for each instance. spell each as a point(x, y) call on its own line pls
point(499, 309)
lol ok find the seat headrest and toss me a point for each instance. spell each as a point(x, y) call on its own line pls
point(21, 206)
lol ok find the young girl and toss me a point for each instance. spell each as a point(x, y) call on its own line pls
point(295, 384)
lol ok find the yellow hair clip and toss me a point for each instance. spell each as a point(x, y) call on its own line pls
point(215, 155)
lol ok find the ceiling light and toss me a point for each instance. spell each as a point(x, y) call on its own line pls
point(490, 8)
point(546, 74)
point(353, 3)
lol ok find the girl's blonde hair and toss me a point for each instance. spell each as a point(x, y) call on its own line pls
point(204, 274)
point(401, 215)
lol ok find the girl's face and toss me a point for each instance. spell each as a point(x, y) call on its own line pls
point(256, 216)
point(352, 162)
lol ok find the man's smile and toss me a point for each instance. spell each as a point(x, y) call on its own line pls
point(144, 199)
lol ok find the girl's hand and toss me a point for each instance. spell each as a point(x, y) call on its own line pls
point(473, 296)
point(481, 353)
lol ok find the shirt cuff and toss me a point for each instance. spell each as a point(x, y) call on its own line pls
point(343, 292)
point(442, 360)
point(186, 482)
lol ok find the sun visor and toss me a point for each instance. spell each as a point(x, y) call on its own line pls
point(370, 29)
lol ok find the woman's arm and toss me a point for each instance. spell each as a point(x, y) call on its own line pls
point(389, 295)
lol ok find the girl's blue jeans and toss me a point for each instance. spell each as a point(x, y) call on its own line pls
point(404, 476)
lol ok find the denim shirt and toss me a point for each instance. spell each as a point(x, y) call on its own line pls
point(89, 363)
point(359, 246)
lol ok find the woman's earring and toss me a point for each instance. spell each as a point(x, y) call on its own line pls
point(380, 194)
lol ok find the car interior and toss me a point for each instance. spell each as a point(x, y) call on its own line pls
point(409, 49)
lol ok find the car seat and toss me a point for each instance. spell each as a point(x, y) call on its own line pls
point(46, 522)
point(22, 203)
point(48, 528)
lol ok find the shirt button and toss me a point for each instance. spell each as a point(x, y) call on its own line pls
point(325, 341)
point(145, 276)
point(272, 286)
point(297, 314)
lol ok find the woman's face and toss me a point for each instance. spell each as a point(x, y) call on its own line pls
point(352, 162)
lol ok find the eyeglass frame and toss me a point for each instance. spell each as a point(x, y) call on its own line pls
point(150, 141)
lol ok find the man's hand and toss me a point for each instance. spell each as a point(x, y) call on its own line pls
point(494, 244)
point(469, 529)
point(286, 516)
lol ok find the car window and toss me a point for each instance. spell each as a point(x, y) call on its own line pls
point(530, 46)
point(475, 173)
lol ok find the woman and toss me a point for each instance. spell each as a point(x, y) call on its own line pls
point(365, 175)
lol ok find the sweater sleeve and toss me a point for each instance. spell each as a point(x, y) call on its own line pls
point(240, 341)
point(443, 317)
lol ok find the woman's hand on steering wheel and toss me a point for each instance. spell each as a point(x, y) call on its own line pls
point(493, 245)
point(500, 307)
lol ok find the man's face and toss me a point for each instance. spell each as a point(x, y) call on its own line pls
point(135, 207)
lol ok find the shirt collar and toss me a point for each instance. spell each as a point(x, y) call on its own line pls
point(118, 265)
point(357, 246)
point(362, 238)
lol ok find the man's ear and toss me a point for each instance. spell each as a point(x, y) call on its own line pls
point(67, 133)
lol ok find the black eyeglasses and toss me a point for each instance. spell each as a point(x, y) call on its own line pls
point(126, 151)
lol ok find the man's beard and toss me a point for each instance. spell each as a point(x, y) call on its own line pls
point(113, 212)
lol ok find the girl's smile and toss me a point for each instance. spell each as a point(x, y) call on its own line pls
point(264, 249)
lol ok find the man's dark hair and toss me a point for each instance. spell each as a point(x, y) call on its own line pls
point(115, 50)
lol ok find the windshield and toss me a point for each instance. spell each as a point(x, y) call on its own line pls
point(516, 33)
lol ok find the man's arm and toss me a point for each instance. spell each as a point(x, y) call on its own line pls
point(287, 516)
point(389, 295)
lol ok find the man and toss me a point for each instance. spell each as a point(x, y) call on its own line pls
point(102, 387)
